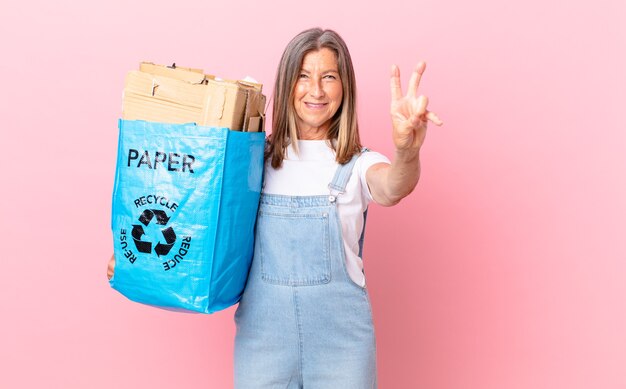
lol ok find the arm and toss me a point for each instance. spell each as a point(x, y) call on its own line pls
point(390, 183)
point(111, 267)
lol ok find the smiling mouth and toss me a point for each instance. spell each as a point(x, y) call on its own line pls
point(315, 105)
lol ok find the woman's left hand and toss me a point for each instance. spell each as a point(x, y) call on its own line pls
point(409, 113)
point(390, 183)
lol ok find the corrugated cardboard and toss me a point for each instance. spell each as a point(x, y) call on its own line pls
point(183, 95)
point(194, 76)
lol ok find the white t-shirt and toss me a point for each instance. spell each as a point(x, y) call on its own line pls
point(309, 173)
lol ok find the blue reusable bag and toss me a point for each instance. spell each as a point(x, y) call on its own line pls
point(184, 207)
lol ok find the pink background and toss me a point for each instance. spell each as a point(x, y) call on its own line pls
point(505, 269)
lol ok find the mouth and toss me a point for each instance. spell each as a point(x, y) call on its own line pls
point(315, 105)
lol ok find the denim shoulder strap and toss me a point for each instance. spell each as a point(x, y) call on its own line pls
point(342, 175)
point(338, 186)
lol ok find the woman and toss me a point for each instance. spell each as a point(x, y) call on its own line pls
point(304, 319)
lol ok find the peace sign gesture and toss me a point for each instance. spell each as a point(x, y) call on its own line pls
point(409, 113)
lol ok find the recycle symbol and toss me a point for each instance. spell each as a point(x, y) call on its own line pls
point(168, 233)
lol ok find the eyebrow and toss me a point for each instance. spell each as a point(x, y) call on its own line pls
point(323, 72)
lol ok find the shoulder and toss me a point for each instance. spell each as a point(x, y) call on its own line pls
point(369, 158)
point(366, 160)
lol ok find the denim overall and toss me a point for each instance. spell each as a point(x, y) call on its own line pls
point(302, 322)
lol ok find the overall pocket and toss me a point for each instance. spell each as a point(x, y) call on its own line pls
point(294, 248)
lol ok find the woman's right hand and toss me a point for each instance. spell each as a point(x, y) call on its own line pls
point(111, 267)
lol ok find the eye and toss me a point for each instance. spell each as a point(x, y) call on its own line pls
point(302, 75)
point(330, 77)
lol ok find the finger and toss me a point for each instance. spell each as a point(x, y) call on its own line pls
point(419, 105)
point(434, 118)
point(418, 112)
point(416, 77)
point(396, 87)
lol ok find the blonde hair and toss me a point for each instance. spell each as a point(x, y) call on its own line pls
point(343, 128)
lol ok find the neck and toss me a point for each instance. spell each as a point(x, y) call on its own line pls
point(313, 133)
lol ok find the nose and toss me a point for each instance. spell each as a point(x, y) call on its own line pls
point(316, 89)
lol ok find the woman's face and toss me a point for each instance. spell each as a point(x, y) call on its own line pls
point(317, 94)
